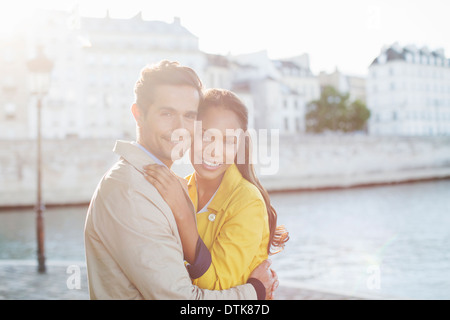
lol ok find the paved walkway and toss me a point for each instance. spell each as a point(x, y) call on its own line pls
point(68, 281)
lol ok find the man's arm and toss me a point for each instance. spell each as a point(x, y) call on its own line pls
point(141, 240)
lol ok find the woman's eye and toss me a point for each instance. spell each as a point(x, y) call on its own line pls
point(208, 138)
point(230, 141)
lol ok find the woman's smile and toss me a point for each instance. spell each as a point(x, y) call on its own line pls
point(210, 165)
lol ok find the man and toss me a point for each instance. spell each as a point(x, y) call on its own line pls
point(133, 248)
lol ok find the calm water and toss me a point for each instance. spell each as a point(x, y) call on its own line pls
point(390, 241)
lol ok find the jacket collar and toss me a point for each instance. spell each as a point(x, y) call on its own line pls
point(230, 181)
point(137, 157)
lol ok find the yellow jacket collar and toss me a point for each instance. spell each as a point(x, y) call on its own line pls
point(230, 181)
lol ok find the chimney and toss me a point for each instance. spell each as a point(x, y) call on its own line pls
point(138, 16)
point(177, 21)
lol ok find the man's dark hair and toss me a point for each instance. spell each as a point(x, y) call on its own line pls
point(163, 73)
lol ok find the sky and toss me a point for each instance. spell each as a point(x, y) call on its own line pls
point(345, 34)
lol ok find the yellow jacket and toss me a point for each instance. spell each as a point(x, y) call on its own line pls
point(234, 228)
point(133, 250)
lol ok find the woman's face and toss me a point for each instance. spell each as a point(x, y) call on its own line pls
point(214, 150)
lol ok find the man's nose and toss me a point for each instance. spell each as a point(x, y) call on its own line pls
point(180, 122)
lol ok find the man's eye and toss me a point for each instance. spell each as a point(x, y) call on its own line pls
point(191, 116)
point(166, 114)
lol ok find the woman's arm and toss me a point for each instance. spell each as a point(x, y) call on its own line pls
point(237, 244)
point(239, 239)
point(173, 192)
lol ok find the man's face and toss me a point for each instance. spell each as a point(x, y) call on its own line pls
point(174, 107)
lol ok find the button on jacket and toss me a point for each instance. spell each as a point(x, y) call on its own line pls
point(234, 228)
point(133, 250)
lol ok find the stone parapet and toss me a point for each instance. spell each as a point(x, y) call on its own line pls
point(73, 168)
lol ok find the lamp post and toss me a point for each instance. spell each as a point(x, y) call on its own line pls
point(40, 68)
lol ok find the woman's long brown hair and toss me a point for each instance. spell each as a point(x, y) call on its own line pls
point(228, 100)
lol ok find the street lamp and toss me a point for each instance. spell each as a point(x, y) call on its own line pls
point(40, 68)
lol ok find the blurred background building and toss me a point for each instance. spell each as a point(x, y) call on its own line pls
point(98, 60)
point(280, 89)
point(355, 86)
point(408, 92)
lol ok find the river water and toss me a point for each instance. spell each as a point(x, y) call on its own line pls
point(384, 241)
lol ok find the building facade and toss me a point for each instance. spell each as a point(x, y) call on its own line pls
point(14, 89)
point(408, 92)
point(280, 90)
point(353, 85)
point(118, 49)
point(97, 61)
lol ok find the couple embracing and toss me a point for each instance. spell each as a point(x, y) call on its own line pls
point(150, 234)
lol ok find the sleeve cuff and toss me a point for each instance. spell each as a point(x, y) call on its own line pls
point(202, 260)
point(259, 287)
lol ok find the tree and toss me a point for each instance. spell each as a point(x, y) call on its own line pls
point(333, 111)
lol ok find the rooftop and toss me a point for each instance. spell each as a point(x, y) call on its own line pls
point(396, 52)
point(135, 24)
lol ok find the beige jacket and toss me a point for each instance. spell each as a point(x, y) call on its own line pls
point(133, 250)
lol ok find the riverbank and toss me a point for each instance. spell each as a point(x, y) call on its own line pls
point(72, 168)
point(274, 187)
point(330, 162)
point(21, 281)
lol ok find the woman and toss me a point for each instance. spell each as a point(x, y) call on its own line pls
point(234, 216)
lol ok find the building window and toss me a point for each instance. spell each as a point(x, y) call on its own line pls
point(297, 124)
point(377, 117)
point(10, 111)
point(409, 57)
point(106, 60)
point(286, 124)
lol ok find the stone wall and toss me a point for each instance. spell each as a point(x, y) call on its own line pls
point(312, 162)
point(73, 168)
